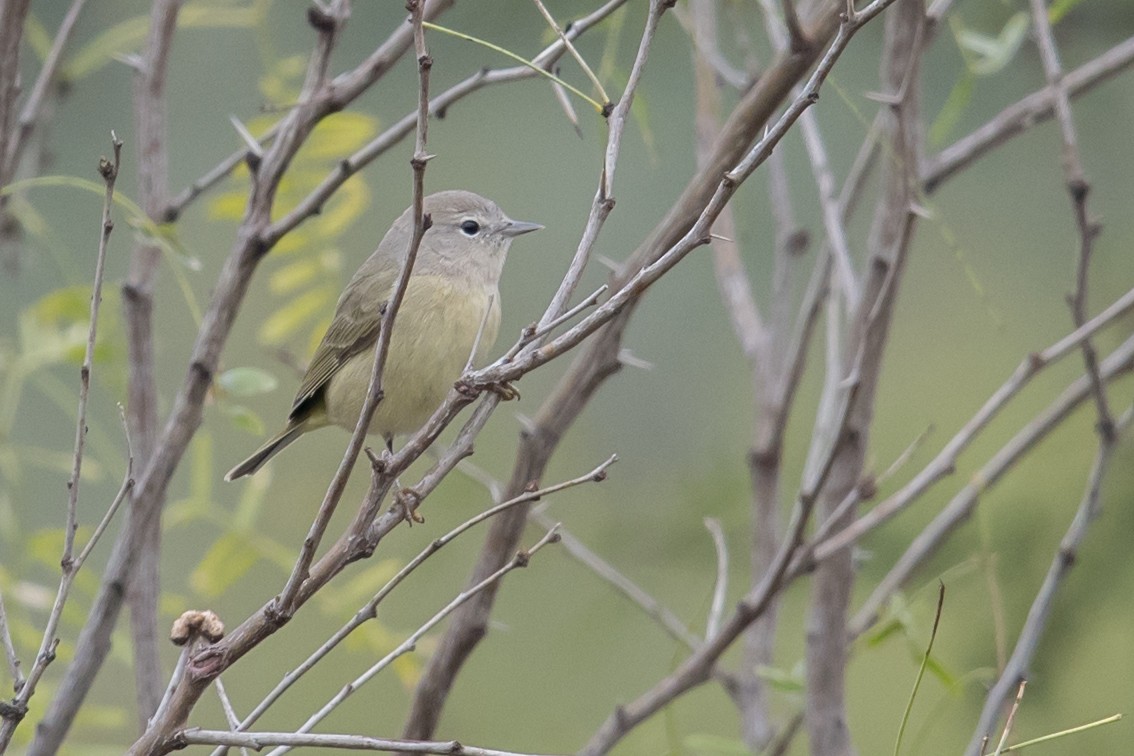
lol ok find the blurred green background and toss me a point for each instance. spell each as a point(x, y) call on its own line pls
point(985, 286)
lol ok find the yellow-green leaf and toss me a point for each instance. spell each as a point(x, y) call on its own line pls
point(224, 563)
point(247, 381)
point(288, 319)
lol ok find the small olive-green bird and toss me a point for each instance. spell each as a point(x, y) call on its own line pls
point(452, 291)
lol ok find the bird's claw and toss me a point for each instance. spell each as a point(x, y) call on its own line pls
point(506, 391)
point(409, 500)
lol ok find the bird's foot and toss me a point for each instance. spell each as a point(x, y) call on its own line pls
point(505, 390)
point(409, 500)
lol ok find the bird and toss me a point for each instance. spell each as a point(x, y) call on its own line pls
point(452, 296)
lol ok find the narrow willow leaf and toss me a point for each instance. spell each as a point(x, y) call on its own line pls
point(247, 381)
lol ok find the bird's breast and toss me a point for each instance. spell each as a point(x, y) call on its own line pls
point(435, 330)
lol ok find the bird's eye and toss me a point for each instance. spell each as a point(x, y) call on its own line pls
point(470, 227)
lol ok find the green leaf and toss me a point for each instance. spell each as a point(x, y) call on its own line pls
point(955, 104)
point(224, 563)
point(1061, 8)
point(247, 381)
point(37, 37)
point(289, 318)
point(248, 508)
point(245, 419)
point(987, 55)
point(350, 202)
point(340, 133)
point(782, 680)
point(127, 36)
point(294, 275)
point(160, 234)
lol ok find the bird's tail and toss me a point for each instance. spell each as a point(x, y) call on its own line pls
point(271, 448)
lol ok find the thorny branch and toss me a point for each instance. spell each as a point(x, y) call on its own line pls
point(1015, 671)
point(25, 688)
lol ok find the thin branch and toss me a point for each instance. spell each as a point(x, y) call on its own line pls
point(313, 202)
point(521, 559)
point(479, 334)
point(1011, 718)
point(574, 53)
point(260, 740)
point(1022, 115)
point(188, 404)
point(945, 461)
point(1121, 360)
point(150, 107)
point(229, 712)
point(1065, 558)
point(470, 623)
point(720, 588)
point(12, 16)
point(33, 105)
point(728, 266)
point(1077, 188)
point(10, 649)
point(654, 609)
point(16, 709)
point(285, 603)
point(109, 171)
point(369, 610)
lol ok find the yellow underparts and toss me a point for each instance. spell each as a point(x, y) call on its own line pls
point(434, 332)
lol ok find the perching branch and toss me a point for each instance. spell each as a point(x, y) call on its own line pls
point(285, 603)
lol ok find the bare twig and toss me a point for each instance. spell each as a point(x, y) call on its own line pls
point(285, 603)
point(944, 462)
point(109, 171)
point(12, 15)
point(1065, 557)
point(1078, 188)
point(312, 203)
point(33, 105)
point(1011, 718)
point(720, 588)
point(229, 712)
point(16, 710)
point(574, 53)
point(369, 610)
point(479, 334)
point(654, 609)
point(9, 649)
point(519, 560)
point(958, 509)
point(150, 118)
point(260, 740)
point(187, 406)
point(469, 624)
point(1022, 115)
point(866, 333)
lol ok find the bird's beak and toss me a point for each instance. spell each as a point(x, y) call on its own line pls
point(515, 228)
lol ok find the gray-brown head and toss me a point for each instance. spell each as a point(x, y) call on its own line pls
point(469, 236)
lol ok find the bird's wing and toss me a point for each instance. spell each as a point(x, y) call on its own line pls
point(354, 328)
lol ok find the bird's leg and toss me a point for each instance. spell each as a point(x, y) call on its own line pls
point(405, 499)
